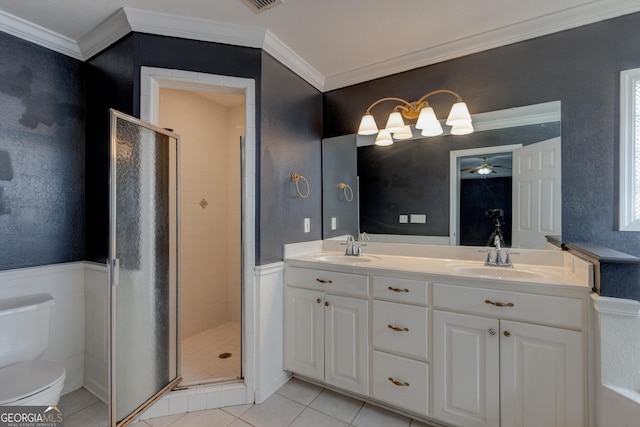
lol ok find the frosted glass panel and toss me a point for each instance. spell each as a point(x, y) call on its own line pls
point(143, 240)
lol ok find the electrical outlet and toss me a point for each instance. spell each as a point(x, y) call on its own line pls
point(418, 218)
point(307, 225)
point(334, 223)
point(403, 219)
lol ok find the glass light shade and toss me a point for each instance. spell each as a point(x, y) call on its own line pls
point(368, 125)
point(434, 129)
point(394, 123)
point(462, 129)
point(484, 170)
point(384, 138)
point(459, 114)
point(405, 134)
point(427, 119)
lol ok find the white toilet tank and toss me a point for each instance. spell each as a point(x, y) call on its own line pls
point(24, 327)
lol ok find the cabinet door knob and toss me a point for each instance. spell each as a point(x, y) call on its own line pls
point(324, 281)
point(499, 304)
point(391, 288)
point(398, 383)
point(507, 333)
point(492, 331)
point(318, 300)
point(326, 303)
point(397, 329)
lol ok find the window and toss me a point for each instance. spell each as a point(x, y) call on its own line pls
point(630, 150)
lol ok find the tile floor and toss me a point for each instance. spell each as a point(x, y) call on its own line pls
point(199, 353)
point(295, 404)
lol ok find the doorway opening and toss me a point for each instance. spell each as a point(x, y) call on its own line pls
point(210, 125)
point(466, 159)
point(215, 117)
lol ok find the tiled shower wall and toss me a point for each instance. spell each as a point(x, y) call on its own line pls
point(210, 206)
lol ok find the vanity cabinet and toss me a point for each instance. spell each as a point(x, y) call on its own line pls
point(400, 334)
point(326, 329)
point(495, 367)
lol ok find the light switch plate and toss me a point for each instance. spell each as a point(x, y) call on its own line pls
point(403, 219)
point(418, 218)
point(307, 225)
point(334, 223)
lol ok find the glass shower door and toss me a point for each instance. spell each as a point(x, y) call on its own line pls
point(143, 267)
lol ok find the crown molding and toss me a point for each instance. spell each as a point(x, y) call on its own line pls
point(128, 19)
point(280, 51)
point(38, 35)
point(105, 34)
point(525, 30)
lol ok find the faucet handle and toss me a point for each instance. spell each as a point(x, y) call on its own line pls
point(363, 236)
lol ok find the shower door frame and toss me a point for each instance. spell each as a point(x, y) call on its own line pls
point(113, 272)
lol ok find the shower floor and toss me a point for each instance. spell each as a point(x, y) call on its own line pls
point(200, 353)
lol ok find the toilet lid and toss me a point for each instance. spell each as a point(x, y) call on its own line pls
point(26, 378)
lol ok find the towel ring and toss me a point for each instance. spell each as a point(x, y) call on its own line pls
point(348, 192)
point(296, 177)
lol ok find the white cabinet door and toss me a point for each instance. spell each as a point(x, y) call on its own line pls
point(304, 332)
point(466, 370)
point(542, 376)
point(347, 343)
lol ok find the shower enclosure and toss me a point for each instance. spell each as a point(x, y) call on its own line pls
point(142, 266)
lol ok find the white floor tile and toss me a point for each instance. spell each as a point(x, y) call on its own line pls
point(336, 405)
point(276, 411)
point(312, 418)
point(92, 416)
point(72, 402)
point(299, 391)
point(237, 410)
point(213, 417)
point(372, 416)
point(164, 421)
point(239, 423)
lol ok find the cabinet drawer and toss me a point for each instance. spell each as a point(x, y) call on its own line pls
point(411, 387)
point(400, 328)
point(328, 281)
point(546, 309)
point(401, 290)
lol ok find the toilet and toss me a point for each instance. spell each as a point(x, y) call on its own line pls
point(26, 380)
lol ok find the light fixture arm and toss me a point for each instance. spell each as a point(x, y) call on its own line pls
point(411, 110)
point(379, 101)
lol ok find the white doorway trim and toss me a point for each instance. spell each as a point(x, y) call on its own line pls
point(151, 80)
point(454, 183)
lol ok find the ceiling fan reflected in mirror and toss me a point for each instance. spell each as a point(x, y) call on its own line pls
point(484, 168)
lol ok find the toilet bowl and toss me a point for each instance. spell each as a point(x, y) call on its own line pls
point(26, 380)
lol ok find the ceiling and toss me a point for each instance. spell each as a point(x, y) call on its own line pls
point(330, 43)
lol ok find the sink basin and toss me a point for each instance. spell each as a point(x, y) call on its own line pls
point(346, 259)
point(500, 272)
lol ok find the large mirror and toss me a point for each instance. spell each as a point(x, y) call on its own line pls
point(435, 190)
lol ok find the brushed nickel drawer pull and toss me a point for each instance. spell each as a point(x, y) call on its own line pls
point(318, 300)
point(324, 281)
point(507, 334)
point(499, 304)
point(398, 383)
point(397, 289)
point(395, 328)
point(326, 303)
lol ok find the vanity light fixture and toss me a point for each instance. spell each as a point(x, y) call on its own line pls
point(459, 119)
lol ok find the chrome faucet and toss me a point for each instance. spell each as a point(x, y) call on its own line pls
point(498, 262)
point(354, 247)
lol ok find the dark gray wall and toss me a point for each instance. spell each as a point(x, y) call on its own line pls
point(579, 67)
point(288, 123)
point(41, 156)
point(291, 117)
